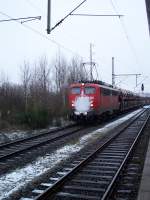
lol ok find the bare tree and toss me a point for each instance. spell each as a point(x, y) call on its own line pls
point(40, 84)
point(33, 102)
point(25, 77)
point(61, 71)
point(76, 71)
point(44, 79)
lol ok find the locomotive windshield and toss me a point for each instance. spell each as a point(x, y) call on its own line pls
point(76, 90)
point(89, 90)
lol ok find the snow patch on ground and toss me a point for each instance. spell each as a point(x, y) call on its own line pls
point(13, 181)
point(15, 135)
point(9, 136)
point(147, 106)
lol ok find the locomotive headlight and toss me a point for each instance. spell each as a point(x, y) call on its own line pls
point(92, 105)
point(85, 113)
point(72, 104)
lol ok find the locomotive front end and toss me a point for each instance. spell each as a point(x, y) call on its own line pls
point(82, 101)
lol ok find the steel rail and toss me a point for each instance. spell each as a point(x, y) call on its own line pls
point(37, 144)
point(49, 192)
point(36, 136)
point(114, 180)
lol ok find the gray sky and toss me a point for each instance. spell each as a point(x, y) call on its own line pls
point(126, 39)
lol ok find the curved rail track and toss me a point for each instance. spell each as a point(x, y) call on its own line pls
point(95, 174)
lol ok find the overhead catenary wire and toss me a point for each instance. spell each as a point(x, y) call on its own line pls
point(94, 15)
point(60, 21)
point(73, 14)
point(126, 33)
point(42, 35)
point(122, 23)
point(34, 6)
point(26, 19)
point(122, 81)
point(146, 77)
point(53, 41)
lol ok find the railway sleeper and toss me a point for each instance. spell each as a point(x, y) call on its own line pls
point(98, 172)
point(101, 167)
point(68, 196)
point(105, 163)
point(112, 154)
point(90, 183)
point(114, 151)
point(125, 193)
point(94, 177)
point(84, 190)
point(109, 157)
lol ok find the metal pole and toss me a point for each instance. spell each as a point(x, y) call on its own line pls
point(136, 75)
point(49, 17)
point(113, 73)
point(91, 63)
point(136, 79)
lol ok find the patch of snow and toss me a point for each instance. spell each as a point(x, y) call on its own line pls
point(14, 135)
point(13, 181)
point(147, 106)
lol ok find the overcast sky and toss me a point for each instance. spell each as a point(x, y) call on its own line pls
point(127, 39)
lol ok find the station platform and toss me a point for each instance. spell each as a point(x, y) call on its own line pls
point(144, 191)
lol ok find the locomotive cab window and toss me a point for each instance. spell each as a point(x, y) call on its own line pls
point(75, 90)
point(114, 93)
point(106, 92)
point(89, 90)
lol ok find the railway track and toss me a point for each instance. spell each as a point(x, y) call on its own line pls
point(94, 175)
point(11, 150)
point(127, 186)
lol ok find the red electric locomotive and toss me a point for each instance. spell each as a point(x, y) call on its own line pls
point(90, 100)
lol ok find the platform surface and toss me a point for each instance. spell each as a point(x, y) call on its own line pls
point(144, 191)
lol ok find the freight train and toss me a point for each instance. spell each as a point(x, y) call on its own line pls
point(92, 100)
